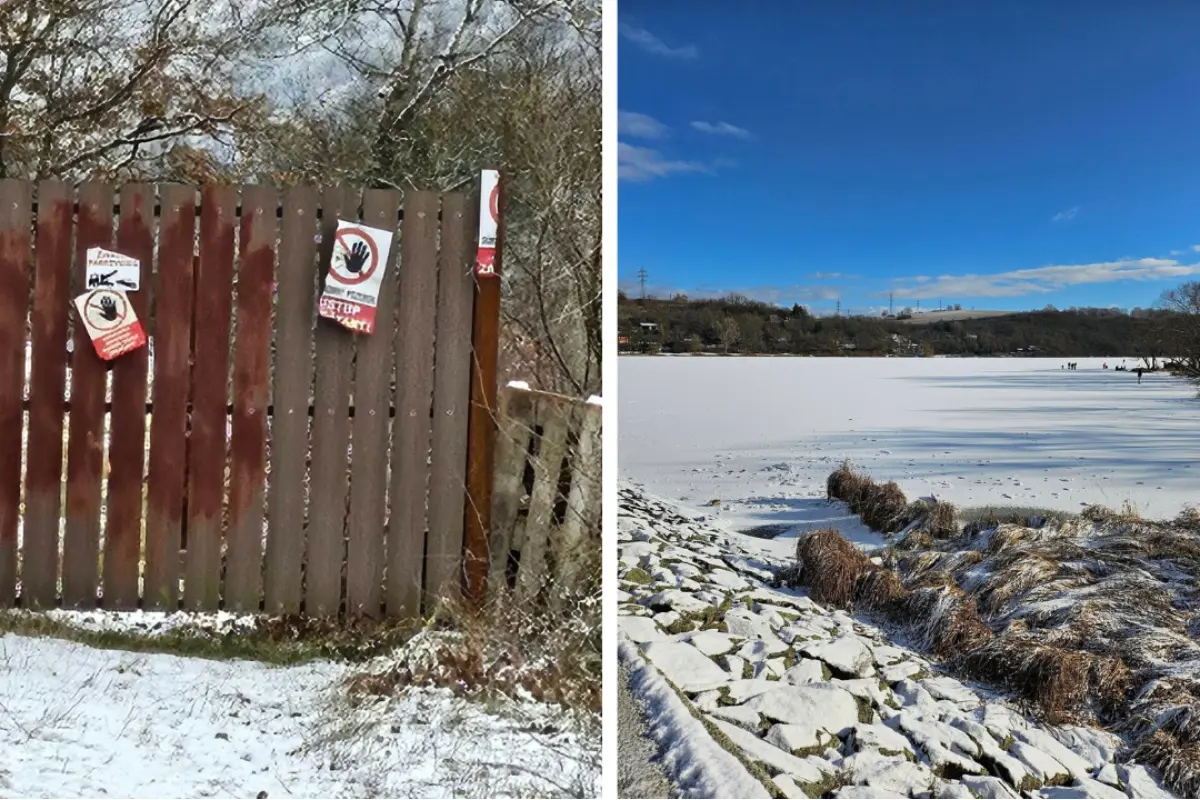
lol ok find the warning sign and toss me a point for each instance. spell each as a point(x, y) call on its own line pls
point(110, 322)
point(489, 222)
point(355, 275)
point(104, 268)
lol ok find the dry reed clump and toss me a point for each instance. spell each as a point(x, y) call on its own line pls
point(846, 485)
point(883, 507)
point(831, 566)
point(1179, 762)
point(940, 521)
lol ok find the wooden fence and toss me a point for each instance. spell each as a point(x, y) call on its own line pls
point(546, 516)
point(215, 469)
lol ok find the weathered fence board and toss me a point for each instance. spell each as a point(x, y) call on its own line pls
point(293, 464)
point(548, 529)
point(293, 382)
point(451, 403)
point(85, 446)
point(251, 396)
point(14, 276)
point(368, 470)
point(172, 378)
point(412, 433)
point(127, 454)
point(47, 383)
point(208, 448)
point(331, 434)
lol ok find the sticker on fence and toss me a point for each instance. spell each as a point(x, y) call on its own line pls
point(356, 270)
point(110, 322)
point(106, 269)
point(489, 222)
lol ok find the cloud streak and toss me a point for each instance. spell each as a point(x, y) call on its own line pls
point(641, 126)
point(641, 164)
point(722, 129)
point(1041, 280)
point(1063, 216)
point(652, 44)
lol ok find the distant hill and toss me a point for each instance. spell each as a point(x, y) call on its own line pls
point(738, 325)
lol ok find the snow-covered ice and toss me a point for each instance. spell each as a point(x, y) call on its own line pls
point(761, 434)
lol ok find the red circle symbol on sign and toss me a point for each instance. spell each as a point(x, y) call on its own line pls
point(494, 203)
point(366, 269)
point(106, 310)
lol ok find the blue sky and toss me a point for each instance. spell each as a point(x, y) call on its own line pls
point(999, 155)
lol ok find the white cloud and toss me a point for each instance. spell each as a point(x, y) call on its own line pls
point(1042, 279)
point(1196, 248)
point(722, 129)
point(1063, 216)
point(643, 126)
point(643, 164)
point(652, 44)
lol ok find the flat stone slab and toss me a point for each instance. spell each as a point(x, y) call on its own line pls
point(685, 666)
point(847, 655)
point(712, 643)
point(835, 708)
point(640, 629)
point(776, 760)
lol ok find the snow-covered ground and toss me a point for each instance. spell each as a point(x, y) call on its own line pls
point(82, 722)
point(752, 690)
point(762, 434)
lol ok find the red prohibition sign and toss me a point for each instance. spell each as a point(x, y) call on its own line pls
point(372, 261)
point(96, 308)
point(494, 203)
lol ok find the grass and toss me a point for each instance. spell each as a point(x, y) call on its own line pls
point(281, 641)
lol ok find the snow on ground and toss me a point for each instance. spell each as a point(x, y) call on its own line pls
point(82, 722)
point(813, 702)
point(762, 434)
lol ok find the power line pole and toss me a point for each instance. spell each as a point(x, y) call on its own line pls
point(891, 304)
point(642, 278)
point(839, 307)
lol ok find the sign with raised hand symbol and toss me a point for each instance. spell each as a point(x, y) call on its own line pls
point(110, 322)
point(355, 276)
point(108, 308)
point(357, 258)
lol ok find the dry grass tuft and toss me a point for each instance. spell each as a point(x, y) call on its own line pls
point(884, 506)
point(551, 653)
point(832, 566)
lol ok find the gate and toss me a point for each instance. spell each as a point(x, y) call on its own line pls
point(253, 456)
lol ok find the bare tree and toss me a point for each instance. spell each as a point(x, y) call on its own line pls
point(728, 332)
point(107, 87)
point(1181, 328)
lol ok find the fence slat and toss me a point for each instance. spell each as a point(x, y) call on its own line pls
point(47, 383)
point(451, 401)
point(547, 467)
point(412, 428)
point(14, 307)
point(293, 383)
point(207, 451)
point(251, 396)
point(331, 434)
point(85, 447)
point(168, 426)
point(571, 545)
point(372, 384)
point(515, 415)
point(127, 454)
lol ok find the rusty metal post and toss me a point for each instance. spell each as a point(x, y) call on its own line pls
point(485, 348)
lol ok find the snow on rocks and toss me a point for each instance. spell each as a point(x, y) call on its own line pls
point(685, 666)
point(845, 654)
point(810, 701)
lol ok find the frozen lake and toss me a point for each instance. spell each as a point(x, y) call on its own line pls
point(762, 434)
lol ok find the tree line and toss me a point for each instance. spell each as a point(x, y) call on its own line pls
point(1170, 331)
